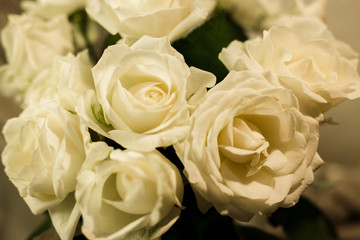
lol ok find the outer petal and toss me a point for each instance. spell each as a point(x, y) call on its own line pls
point(156, 19)
point(65, 217)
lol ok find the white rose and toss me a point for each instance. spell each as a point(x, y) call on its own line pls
point(30, 45)
point(320, 70)
point(51, 8)
point(134, 19)
point(66, 80)
point(257, 15)
point(250, 150)
point(43, 155)
point(262, 14)
point(142, 94)
point(124, 194)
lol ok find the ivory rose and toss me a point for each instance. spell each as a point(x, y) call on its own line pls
point(66, 80)
point(134, 19)
point(249, 150)
point(127, 194)
point(30, 46)
point(44, 152)
point(320, 70)
point(143, 94)
point(257, 15)
point(51, 8)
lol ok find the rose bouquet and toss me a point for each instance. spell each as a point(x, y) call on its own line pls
point(171, 119)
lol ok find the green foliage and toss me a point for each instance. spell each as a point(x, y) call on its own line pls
point(111, 40)
point(304, 221)
point(202, 47)
point(98, 113)
point(81, 21)
point(195, 225)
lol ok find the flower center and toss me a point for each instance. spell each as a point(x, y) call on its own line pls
point(242, 142)
point(148, 93)
point(154, 95)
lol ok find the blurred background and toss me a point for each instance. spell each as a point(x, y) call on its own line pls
point(337, 187)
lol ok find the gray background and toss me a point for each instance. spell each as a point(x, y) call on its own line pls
point(339, 146)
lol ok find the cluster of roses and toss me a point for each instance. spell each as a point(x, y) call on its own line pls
point(248, 145)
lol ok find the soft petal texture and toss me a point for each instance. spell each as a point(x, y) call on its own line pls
point(321, 71)
point(66, 80)
point(249, 149)
point(197, 86)
point(141, 94)
point(44, 153)
point(65, 217)
point(134, 19)
point(258, 15)
point(124, 194)
point(31, 45)
point(51, 8)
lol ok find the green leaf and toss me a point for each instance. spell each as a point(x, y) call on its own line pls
point(111, 40)
point(81, 21)
point(202, 47)
point(98, 113)
point(304, 221)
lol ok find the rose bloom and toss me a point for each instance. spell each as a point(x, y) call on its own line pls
point(30, 46)
point(143, 94)
point(134, 19)
point(42, 157)
point(127, 194)
point(51, 8)
point(257, 15)
point(48, 9)
point(249, 149)
point(320, 70)
point(66, 80)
